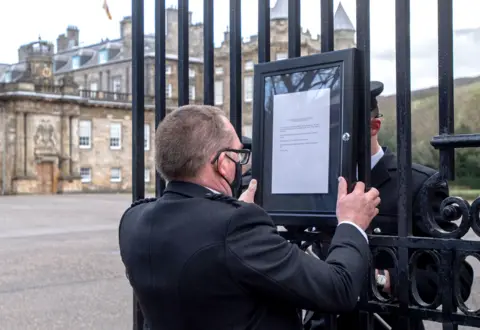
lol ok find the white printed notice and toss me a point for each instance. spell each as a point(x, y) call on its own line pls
point(301, 142)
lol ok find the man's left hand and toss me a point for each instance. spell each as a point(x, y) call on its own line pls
point(248, 196)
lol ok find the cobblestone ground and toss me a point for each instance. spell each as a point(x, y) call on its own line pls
point(60, 268)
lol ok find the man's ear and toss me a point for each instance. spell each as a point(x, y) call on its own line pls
point(222, 164)
point(375, 125)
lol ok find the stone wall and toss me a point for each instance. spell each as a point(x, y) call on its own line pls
point(39, 131)
point(7, 146)
point(100, 158)
point(42, 144)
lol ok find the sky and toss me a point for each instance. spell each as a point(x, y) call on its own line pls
point(24, 21)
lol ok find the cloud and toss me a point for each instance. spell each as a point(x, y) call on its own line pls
point(424, 60)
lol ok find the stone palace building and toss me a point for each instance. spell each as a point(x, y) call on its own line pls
point(65, 113)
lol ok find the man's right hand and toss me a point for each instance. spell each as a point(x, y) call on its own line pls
point(359, 207)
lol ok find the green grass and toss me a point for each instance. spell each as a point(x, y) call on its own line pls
point(467, 194)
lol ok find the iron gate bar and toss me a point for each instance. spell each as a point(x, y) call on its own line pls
point(364, 143)
point(446, 280)
point(294, 28)
point(456, 141)
point(208, 60)
point(138, 120)
point(138, 101)
point(402, 32)
point(446, 120)
point(183, 53)
point(326, 25)
point(263, 31)
point(160, 83)
point(363, 44)
point(236, 65)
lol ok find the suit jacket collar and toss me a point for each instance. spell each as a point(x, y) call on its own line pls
point(186, 189)
point(380, 173)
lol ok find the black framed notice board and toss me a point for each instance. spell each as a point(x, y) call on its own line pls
point(304, 135)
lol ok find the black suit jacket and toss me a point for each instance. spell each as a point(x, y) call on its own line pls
point(385, 178)
point(198, 260)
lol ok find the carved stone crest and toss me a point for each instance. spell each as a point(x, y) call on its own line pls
point(44, 138)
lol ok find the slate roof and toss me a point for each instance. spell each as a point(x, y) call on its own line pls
point(341, 21)
point(280, 10)
point(90, 53)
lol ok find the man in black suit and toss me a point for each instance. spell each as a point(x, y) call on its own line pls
point(198, 258)
point(384, 177)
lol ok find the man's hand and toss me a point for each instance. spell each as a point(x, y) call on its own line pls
point(359, 207)
point(249, 195)
point(387, 285)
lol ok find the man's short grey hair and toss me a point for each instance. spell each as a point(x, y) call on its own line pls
point(188, 138)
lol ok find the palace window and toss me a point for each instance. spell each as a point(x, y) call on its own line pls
point(117, 87)
point(147, 137)
point(218, 92)
point(168, 91)
point(93, 89)
point(7, 77)
point(86, 174)
point(191, 93)
point(115, 136)
point(281, 56)
point(248, 88)
point(249, 66)
point(85, 134)
point(218, 70)
point(147, 175)
point(75, 62)
point(115, 174)
point(103, 56)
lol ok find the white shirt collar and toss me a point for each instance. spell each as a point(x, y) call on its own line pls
point(214, 191)
point(376, 158)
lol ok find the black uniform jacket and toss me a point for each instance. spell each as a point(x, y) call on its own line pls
point(198, 260)
point(385, 179)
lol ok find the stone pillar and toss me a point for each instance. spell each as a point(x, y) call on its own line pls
point(29, 132)
point(109, 87)
point(11, 151)
point(128, 90)
point(100, 82)
point(74, 153)
point(65, 146)
point(20, 160)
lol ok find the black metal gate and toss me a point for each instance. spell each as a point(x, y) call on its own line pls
point(447, 249)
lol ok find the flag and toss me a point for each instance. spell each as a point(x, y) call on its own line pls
point(105, 7)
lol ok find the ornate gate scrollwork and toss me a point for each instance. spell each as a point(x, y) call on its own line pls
point(452, 208)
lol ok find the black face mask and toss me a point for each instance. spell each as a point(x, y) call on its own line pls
point(236, 184)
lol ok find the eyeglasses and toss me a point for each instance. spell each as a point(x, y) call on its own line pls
point(243, 155)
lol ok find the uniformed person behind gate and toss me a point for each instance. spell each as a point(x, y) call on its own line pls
point(384, 177)
point(198, 258)
point(246, 169)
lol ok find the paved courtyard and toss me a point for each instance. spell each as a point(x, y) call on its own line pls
point(60, 267)
point(59, 263)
